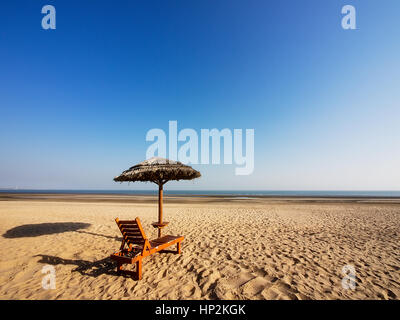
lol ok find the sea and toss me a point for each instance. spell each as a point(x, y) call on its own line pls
point(224, 193)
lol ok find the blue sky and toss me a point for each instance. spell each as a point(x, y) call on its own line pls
point(76, 102)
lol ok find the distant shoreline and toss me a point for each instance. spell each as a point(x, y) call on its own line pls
point(217, 193)
point(190, 198)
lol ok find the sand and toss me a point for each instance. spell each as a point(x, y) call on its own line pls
point(233, 249)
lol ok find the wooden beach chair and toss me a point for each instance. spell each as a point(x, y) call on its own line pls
point(138, 245)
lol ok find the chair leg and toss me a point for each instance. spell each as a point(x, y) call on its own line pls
point(178, 248)
point(139, 269)
point(119, 267)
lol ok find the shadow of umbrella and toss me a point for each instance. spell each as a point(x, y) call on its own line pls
point(36, 230)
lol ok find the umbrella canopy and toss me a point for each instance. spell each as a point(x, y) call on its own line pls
point(160, 171)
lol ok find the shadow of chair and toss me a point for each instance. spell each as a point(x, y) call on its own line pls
point(84, 267)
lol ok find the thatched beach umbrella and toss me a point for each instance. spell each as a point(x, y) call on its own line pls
point(159, 171)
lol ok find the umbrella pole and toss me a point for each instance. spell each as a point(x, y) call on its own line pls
point(160, 207)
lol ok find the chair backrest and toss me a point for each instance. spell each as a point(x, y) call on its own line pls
point(132, 232)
